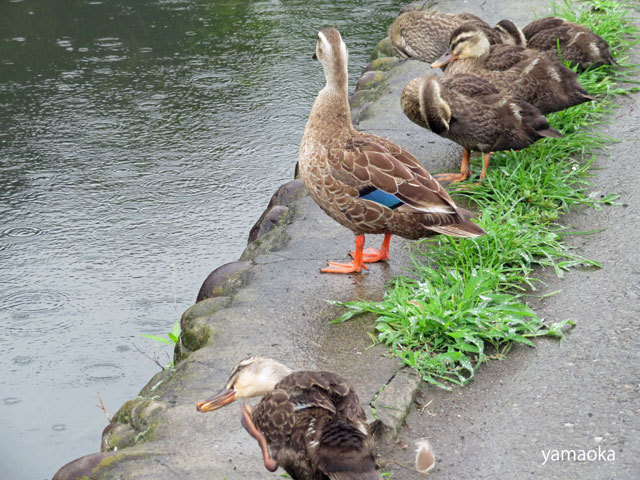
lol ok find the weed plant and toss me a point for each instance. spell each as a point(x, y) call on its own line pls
point(446, 321)
point(171, 339)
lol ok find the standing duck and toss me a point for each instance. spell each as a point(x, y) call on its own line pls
point(309, 423)
point(424, 35)
point(577, 43)
point(364, 182)
point(475, 114)
point(530, 75)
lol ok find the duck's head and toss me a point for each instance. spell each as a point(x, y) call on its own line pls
point(510, 33)
point(333, 55)
point(252, 377)
point(467, 41)
point(434, 110)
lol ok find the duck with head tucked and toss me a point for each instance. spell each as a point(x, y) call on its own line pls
point(309, 423)
point(364, 182)
point(474, 113)
point(577, 43)
point(424, 34)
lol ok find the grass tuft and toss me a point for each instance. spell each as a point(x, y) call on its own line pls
point(445, 322)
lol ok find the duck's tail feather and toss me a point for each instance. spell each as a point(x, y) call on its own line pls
point(464, 228)
point(550, 133)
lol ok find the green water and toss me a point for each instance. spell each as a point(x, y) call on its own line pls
point(139, 141)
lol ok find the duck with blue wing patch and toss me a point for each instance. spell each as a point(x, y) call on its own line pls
point(365, 182)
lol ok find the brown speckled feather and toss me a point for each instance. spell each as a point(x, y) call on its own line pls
point(366, 160)
point(316, 428)
point(504, 57)
point(577, 43)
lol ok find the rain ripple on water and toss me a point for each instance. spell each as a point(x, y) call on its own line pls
point(30, 312)
point(103, 372)
point(20, 232)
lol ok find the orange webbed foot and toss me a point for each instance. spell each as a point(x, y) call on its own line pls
point(448, 178)
point(371, 255)
point(354, 267)
point(335, 267)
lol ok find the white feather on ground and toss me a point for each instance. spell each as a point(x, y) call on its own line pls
point(425, 459)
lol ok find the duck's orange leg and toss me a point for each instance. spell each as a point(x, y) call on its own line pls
point(465, 171)
point(371, 255)
point(485, 166)
point(355, 266)
point(247, 422)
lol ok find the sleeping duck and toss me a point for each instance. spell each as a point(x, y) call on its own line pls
point(424, 34)
point(474, 113)
point(577, 43)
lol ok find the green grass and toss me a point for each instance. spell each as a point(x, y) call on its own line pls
point(446, 321)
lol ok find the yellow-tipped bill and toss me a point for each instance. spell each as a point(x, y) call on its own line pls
point(219, 400)
point(444, 59)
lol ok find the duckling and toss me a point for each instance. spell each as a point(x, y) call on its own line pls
point(309, 423)
point(472, 112)
point(530, 75)
point(364, 182)
point(424, 34)
point(577, 43)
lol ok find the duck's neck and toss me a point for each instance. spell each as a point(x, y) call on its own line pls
point(331, 115)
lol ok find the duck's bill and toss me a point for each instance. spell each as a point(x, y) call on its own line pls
point(219, 400)
point(444, 59)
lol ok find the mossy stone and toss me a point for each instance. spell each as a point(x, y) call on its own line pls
point(383, 49)
point(224, 280)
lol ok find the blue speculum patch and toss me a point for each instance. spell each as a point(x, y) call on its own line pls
point(378, 196)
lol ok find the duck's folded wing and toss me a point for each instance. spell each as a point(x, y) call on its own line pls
point(372, 164)
point(549, 39)
point(541, 24)
point(326, 390)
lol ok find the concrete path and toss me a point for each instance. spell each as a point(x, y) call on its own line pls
point(578, 394)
